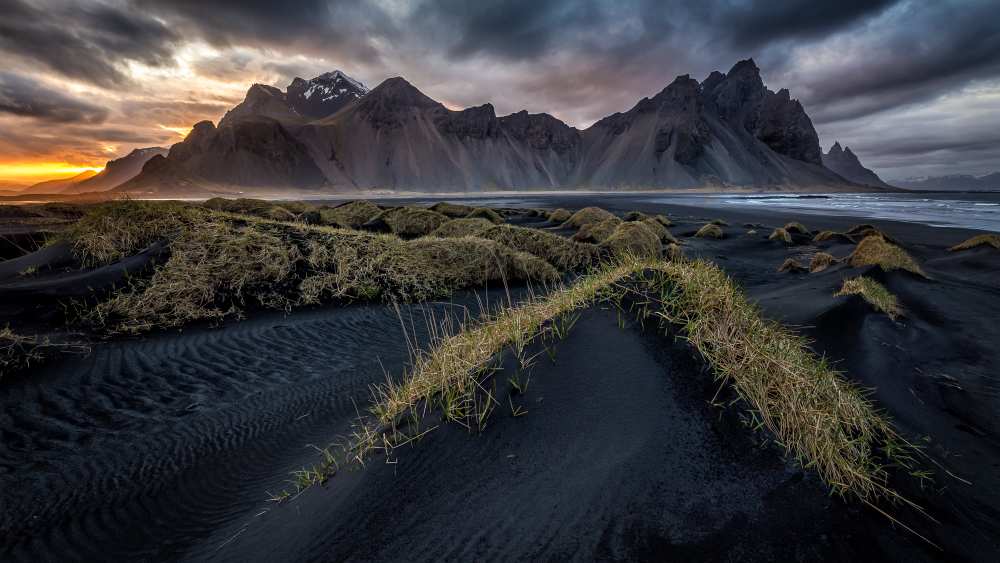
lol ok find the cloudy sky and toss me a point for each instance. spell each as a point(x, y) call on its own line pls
point(912, 86)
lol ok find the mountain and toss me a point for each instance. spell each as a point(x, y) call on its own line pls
point(59, 186)
point(301, 101)
point(116, 171)
point(954, 182)
point(330, 134)
point(844, 162)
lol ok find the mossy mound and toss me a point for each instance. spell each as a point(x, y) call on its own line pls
point(978, 240)
point(429, 268)
point(562, 253)
point(350, 215)
point(719, 222)
point(673, 251)
point(242, 205)
point(824, 236)
point(279, 213)
point(454, 210)
point(797, 228)
point(407, 222)
point(633, 239)
point(660, 230)
point(791, 265)
point(876, 251)
point(463, 228)
point(559, 215)
point(485, 213)
point(711, 230)
point(597, 232)
point(111, 231)
point(874, 293)
point(821, 261)
point(780, 234)
point(586, 216)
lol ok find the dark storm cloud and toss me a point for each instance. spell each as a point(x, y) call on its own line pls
point(83, 41)
point(22, 96)
point(760, 22)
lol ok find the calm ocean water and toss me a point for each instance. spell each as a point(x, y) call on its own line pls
point(972, 210)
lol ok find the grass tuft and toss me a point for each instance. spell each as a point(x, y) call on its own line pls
point(633, 239)
point(780, 234)
point(463, 228)
point(791, 265)
point(711, 230)
point(796, 227)
point(598, 231)
point(485, 213)
point(876, 251)
point(821, 261)
point(349, 215)
point(453, 210)
point(832, 235)
point(586, 216)
point(562, 253)
point(559, 216)
point(409, 222)
point(978, 240)
point(874, 293)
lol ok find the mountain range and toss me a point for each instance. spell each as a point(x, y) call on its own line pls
point(330, 134)
point(115, 173)
point(843, 161)
point(953, 182)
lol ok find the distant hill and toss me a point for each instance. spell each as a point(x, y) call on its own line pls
point(988, 182)
point(59, 186)
point(331, 134)
point(116, 172)
point(844, 162)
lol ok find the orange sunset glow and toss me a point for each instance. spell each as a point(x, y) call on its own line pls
point(42, 171)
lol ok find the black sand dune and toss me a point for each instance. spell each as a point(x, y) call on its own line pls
point(163, 448)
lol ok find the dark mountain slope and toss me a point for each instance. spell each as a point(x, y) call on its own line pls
point(844, 162)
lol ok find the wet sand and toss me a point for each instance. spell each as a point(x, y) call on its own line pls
point(164, 447)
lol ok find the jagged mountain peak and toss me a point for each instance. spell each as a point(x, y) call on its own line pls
point(843, 161)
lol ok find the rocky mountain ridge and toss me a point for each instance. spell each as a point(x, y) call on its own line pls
point(843, 161)
point(728, 131)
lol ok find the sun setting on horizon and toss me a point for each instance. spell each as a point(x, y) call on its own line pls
point(30, 172)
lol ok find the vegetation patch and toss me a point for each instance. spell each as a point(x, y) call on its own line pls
point(350, 215)
point(463, 228)
point(823, 236)
point(559, 216)
point(795, 227)
point(792, 266)
point(598, 231)
point(780, 234)
point(719, 222)
point(821, 261)
point(711, 230)
point(562, 253)
point(825, 422)
point(586, 216)
point(454, 210)
point(633, 239)
point(485, 213)
point(978, 240)
point(874, 293)
point(409, 222)
point(876, 251)
point(18, 352)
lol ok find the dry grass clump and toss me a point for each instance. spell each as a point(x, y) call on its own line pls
point(780, 234)
point(661, 231)
point(791, 265)
point(719, 222)
point(796, 227)
point(598, 231)
point(832, 235)
point(214, 268)
point(409, 222)
point(114, 230)
point(485, 213)
point(827, 423)
point(17, 352)
point(559, 216)
point(562, 253)
point(673, 251)
point(454, 210)
point(350, 215)
point(586, 216)
point(711, 230)
point(824, 421)
point(859, 232)
point(874, 293)
point(876, 251)
point(463, 228)
point(279, 213)
point(978, 240)
point(633, 239)
point(429, 268)
point(821, 261)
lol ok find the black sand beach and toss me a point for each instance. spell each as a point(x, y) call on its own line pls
point(166, 446)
